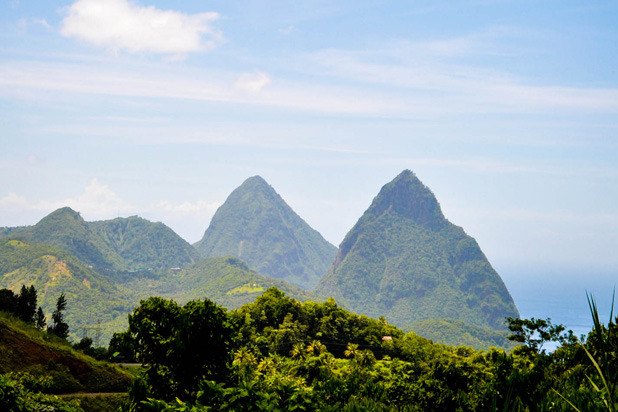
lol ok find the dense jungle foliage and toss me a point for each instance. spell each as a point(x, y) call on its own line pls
point(280, 354)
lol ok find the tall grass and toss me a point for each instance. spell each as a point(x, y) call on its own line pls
point(602, 353)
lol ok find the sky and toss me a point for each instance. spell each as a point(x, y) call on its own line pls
point(506, 110)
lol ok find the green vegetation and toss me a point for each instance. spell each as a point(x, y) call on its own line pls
point(23, 392)
point(405, 261)
point(23, 348)
point(279, 354)
point(459, 333)
point(256, 225)
point(112, 247)
point(144, 245)
point(67, 230)
point(283, 355)
point(225, 280)
point(91, 297)
point(246, 289)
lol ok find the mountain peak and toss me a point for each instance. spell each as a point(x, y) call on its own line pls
point(405, 261)
point(407, 196)
point(64, 211)
point(256, 225)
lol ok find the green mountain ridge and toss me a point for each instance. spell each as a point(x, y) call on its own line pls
point(256, 225)
point(117, 245)
point(459, 333)
point(405, 261)
point(144, 245)
point(66, 229)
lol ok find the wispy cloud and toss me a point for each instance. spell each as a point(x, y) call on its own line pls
point(121, 25)
point(252, 82)
point(448, 87)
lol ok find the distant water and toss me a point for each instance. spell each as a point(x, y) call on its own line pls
point(561, 295)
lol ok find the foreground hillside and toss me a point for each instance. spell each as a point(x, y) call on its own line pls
point(403, 260)
point(26, 349)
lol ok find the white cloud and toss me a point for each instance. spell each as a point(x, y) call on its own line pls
point(123, 25)
point(97, 201)
point(252, 82)
point(13, 203)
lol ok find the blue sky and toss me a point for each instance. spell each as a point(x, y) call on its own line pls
point(507, 110)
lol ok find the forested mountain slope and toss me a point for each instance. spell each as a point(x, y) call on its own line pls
point(404, 260)
point(256, 225)
point(144, 245)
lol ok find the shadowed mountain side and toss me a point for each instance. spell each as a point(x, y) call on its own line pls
point(256, 225)
point(26, 349)
point(405, 261)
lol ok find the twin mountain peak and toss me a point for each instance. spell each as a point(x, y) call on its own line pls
point(402, 260)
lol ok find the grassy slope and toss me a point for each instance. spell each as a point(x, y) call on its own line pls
point(26, 349)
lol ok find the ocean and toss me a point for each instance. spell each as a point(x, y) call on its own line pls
point(561, 295)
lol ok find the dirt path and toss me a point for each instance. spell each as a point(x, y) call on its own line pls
point(64, 395)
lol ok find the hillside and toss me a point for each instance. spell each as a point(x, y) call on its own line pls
point(460, 333)
point(405, 261)
point(144, 245)
point(225, 280)
point(256, 225)
point(112, 247)
point(91, 297)
point(66, 229)
point(26, 349)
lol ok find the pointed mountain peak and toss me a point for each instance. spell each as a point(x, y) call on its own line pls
point(255, 180)
point(256, 225)
point(407, 196)
point(256, 184)
point(405, 261)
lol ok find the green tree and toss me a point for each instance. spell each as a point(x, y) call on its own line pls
point(26, 303)
point(181, 345)
point(534, 333)
point(8, 301)
point(59, 327)
point(39, 319)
